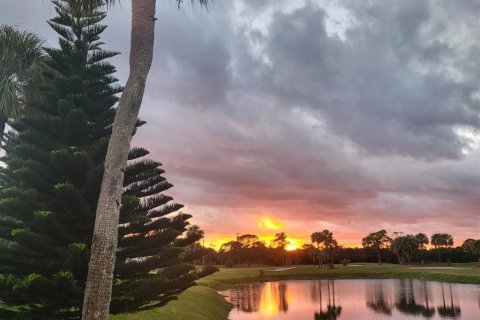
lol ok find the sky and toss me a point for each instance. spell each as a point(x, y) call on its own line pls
point(299, 116)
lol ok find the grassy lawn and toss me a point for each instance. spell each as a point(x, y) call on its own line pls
point(196, 303)
point(460, 273)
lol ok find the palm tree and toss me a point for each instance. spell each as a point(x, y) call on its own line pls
point(318, 238)
point(21, 62)
point(104, 244)
point(422, 241)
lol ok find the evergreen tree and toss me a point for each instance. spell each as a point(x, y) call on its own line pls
point(54, 166)
point(151, 266)
point(50, 186)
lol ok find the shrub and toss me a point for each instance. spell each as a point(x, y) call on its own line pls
point(229, 264)
point(207, 270)
point(345, 262)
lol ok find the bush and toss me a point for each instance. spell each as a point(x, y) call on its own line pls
point(229, 264)
point(345, 262)
point(206, 271)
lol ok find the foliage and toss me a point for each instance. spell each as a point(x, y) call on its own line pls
point(404, 247)
point(21, 64)
point(54, 168)
point(345, 262)
point(49, 191)
point(151, 267)
point(207, 270)
point(325, 244)
point(442, 240)
point(376, 241)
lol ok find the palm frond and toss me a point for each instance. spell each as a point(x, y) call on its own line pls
point(10, 97)
point(202, 3)
point(22, 60)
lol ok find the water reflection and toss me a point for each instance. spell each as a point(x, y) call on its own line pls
point(377, 298)
point(266, 298)
point(331, 311)
point(448, 310)
point(354, 299)
point(406, 301)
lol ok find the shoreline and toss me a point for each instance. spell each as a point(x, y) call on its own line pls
point(228, 278)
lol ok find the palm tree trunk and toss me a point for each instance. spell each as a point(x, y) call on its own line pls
point(3, 122)
point(104, 244)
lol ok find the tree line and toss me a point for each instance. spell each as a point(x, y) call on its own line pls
point(325, 251)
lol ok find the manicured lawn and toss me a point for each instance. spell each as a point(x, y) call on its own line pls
point(460, 273)
point(196, 303)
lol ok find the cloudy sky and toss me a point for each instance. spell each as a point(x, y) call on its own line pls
point(349, 115)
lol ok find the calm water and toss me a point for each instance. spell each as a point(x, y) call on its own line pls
point(354, 299)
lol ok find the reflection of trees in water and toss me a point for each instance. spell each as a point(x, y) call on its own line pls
point(376, 298)
point(427, 311)
point(247, 297)
point(451, 310)
point(331, 311)
point(406, 301)
point(282, 297)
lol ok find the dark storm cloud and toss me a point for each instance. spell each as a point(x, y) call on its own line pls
point(313, 124)
point(343, 114)
point(370, 86)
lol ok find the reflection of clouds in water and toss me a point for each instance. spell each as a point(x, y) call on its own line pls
point(264, 298)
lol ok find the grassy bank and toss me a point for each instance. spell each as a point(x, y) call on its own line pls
point(196, 303)
point(459, 273)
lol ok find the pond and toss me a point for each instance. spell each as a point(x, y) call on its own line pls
point(354, 299)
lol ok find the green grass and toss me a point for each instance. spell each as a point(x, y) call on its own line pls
point(227, 278)
point(196, 303)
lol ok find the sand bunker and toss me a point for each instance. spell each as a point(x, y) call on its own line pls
point(437, 268)
point(280, 269)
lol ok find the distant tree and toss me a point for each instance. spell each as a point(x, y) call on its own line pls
point(329, 244)
point(279, 243)
point(22, 61)
point(318, 238)
point(376, 241)
point(404, 247)
point(248, 242)
point(441, 240)
point(310, 250)
point(422, 241)
point(472, 247)
point(233, 249)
